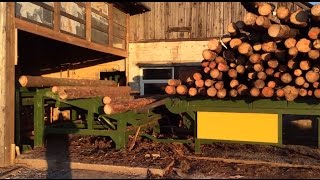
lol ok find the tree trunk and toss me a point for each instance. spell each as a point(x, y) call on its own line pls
point(315, 12)
point(304, 45)
point(77, 92)
point(174, 82)
point(264, 9)
point(39, 81)
point(212, 91)
point(269, 46)
point(170, 90)
point(290, 43)
point(283, 13)
point(299, 18)
point(314, 33)
point(108, 99)
point(192, 91)
point(182, 89)
point(249, 19)
point(281, 31)
point(263, 21)
point(119, 107)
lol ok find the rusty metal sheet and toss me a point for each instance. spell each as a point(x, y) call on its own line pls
point(71, 26)
point(73, 9)
point(101, 7)
point(34, 13)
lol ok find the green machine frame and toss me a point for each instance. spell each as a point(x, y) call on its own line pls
point(120, 126)
point(191, 106)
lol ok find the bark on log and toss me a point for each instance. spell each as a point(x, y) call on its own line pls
point(281, 31)
point(315, 12)
point(108, 99)
point(299, 18)
point(266, 56)
point(39, 81)
point(120, 107)
point(242, 89)
point(293, 64)
point(76, 92)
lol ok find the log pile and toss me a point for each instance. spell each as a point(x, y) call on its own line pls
point(260, 57)
point(116, 99)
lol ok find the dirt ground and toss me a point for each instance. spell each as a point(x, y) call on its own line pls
point(100, 150)
point(217, 160)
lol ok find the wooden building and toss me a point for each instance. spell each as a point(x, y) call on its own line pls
point(39, 38)
point(174, 34)
point(148, 43)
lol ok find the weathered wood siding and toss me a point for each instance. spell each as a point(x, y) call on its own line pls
point(187, 20)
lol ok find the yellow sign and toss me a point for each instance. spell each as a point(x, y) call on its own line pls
point(250, 127)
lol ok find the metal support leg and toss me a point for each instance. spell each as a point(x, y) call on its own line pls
point(318, 132)
point(279, 129)
point(121, 139)
point(74, 115)
point(90, 120)
point(38, 120)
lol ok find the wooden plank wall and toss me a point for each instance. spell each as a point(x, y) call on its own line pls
point(204, 19)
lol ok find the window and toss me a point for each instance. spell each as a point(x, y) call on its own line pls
point(100, 23)
point(154, 80)
point(119, 29)
point(40, 13)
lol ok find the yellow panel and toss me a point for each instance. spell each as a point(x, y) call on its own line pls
point(250, 127)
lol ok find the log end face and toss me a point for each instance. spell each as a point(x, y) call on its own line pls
point(23, 80)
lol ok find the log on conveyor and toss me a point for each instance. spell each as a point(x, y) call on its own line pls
point(39, 81)
point(78, 92)
point(119, 107)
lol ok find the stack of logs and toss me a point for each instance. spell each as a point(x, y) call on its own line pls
point(117, 99)
point(262, 56)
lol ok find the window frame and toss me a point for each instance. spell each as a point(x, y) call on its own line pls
point(153, 81)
